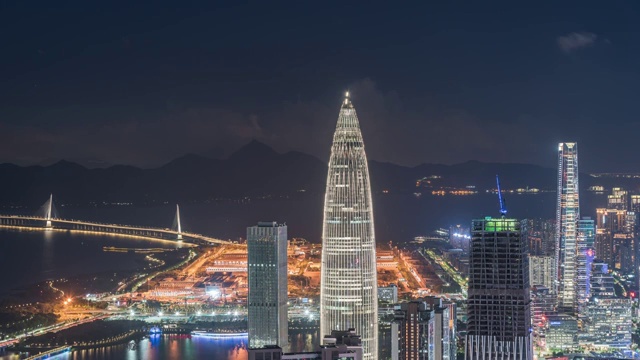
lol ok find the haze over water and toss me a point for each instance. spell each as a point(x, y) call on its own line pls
point(32, 256)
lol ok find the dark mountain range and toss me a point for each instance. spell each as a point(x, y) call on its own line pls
point(254, 170)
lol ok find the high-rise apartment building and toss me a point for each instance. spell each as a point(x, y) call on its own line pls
point(410, 331)
point(616, 232)
point(267, 277)
point(567, 215)
point(442, 334)
point(630, 222)
point(584, 260)
point(541, 270)
point(452, 327)
point(348, 289)
point(424, 330)
point(618, 199)
point(445, 317)
point(623, 245)
point(608, 223)
point(540, 236)
point(635, 203)
point(498, 304)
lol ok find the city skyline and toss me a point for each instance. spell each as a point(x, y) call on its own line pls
point(499, 309)
point(159, 137)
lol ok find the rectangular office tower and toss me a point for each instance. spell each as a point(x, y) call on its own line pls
point(267, 277)
point(498, 304)
point(567, 215)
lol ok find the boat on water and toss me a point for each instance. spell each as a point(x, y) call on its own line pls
point(215, 335)
point(133, 345)
point(155, 331)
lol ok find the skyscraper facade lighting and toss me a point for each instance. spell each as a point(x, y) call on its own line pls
point(267, 277)
point(567, 215)
point(584, 261)
point(498, 303)
point(349, 296)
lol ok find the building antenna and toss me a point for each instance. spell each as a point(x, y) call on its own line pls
point(503, 208)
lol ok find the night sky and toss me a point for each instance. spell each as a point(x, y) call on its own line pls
point(442, 82)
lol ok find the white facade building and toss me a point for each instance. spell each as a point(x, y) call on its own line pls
point(567, 216)
point(349, 295)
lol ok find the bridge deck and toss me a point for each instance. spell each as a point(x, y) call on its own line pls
point(48, 353)
point(17, 220)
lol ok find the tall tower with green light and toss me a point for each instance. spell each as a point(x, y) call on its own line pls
point(498, 303)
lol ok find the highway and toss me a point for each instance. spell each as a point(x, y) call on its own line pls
point(54, 327)
point(448, 269)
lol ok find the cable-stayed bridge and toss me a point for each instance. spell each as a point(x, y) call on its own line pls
point(46, 218)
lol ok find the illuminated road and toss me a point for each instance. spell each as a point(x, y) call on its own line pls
point(448, 269)
point(48, 328)
point(411, 270)
point(115, 229)
point(192, 269)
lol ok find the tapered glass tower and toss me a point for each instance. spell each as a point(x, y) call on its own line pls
point(567, 216)
point(349, 296)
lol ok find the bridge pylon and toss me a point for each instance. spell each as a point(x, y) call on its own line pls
point(49, 211)
point(178, 222)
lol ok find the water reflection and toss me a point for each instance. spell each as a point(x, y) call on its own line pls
point(171, 347)
point(48, 253)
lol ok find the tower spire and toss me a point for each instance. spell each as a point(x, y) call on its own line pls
point(49, 211)
point(178, 221)
point(347, 101)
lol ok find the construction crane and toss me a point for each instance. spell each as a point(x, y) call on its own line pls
point(503, 208)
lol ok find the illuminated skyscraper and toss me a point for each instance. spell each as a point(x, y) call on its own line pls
point(349, 296)
point(267, 276)
point(619, 199)
point(541, 270)
point(567, 215)
point(410, 331)
point(498, 303)
point(584, 260)
point(424, 330)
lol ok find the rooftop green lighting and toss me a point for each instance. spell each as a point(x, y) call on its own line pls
point(496, 225)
